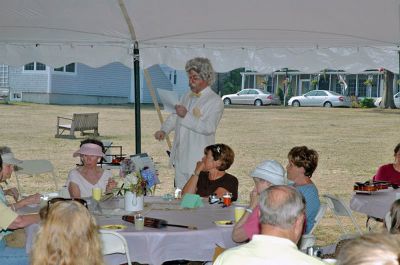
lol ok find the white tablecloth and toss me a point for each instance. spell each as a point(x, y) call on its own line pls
point(154, 246)
point(376, 204)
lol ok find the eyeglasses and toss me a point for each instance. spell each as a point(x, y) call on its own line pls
point(44, 211)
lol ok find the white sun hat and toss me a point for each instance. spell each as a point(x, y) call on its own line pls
point(271, 171)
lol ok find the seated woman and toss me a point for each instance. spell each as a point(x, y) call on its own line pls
point(9, 161)
point(210, 177)
point(266, 174)
point(390, 172)
point(68, 235)
point(302, 163)
point(83, 179)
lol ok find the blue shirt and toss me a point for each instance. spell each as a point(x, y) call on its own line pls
point(311, 197)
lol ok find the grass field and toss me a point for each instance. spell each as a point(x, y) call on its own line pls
point(351, 143)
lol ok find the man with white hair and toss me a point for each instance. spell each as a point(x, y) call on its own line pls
point(195, 121)
point(282, 218)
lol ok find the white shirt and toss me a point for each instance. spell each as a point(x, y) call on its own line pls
point(266, 250)
point(193, 132)
point(85, 186)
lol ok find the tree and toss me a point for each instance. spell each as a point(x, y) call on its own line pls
point(232, 82)
point(387, 98)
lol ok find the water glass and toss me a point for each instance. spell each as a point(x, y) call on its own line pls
point(139, 222)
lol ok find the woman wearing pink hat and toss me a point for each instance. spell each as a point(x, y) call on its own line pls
point(83, 179)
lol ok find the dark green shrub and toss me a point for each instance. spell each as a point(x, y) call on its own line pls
point(367, 103)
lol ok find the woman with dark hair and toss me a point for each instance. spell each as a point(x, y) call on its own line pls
point(390, 172)
point(302, 163)
point(210, 177)
point(83, 179)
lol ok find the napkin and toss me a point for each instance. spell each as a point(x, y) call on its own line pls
point(191, 201)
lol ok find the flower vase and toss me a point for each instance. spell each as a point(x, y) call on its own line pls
point(132, 202)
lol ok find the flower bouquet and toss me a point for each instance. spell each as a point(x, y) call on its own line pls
point(139, 181)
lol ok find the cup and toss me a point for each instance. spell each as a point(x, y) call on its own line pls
point(43, 201)
point(96, 194)
point(239, 212)
point(139, 222)
point(227, 199)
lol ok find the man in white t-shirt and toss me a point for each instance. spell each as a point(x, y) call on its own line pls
point(282, 215)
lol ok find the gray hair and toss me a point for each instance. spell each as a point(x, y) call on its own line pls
point(371, 249)
point(203, 67)
point(5, 150)
point(281, 205)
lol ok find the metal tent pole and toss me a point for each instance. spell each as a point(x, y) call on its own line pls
point(136, 70)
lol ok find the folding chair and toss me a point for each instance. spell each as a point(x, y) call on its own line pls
point(308, 240)
point(339, 208)
point(114, 242)
point(33, 168)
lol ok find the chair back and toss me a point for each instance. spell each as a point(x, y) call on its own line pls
point(35, 167)
point(114, 242)
point(108, 152)
point(339, 208)
point(318, 217)
point(308, 240)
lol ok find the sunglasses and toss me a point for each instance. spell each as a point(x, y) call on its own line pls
point(54, 200)
point(44, 211)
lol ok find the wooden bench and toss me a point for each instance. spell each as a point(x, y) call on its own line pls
point(80, 122)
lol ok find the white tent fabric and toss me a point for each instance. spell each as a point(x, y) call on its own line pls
point(307, 35)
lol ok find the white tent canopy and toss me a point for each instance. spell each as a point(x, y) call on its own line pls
point(307, 35)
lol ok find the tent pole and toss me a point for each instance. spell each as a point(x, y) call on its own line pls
point(136, 70)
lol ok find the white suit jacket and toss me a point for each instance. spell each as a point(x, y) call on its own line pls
point(196, 130)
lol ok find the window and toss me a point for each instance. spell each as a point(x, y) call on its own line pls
point(4, 75)
point(35, 66)
point(321, 94)
point(243, 92)
point(69, 68)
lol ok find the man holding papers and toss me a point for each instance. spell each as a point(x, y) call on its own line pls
point(195, 120)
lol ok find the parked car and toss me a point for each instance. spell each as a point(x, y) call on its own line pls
point(396, 99)
point(4, 92)
point(250, 96)
point(321, 98)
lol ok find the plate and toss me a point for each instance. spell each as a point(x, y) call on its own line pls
point(224, 223)
point(113, 227)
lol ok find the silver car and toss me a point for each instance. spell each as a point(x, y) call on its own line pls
point(250, 96)
point(396, 99)
point(321, 98)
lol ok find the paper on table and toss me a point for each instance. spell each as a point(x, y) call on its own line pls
point(169, 99)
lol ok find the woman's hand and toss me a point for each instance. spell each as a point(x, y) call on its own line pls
point(111, 184)
point(199, 167)
point(254, 197)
